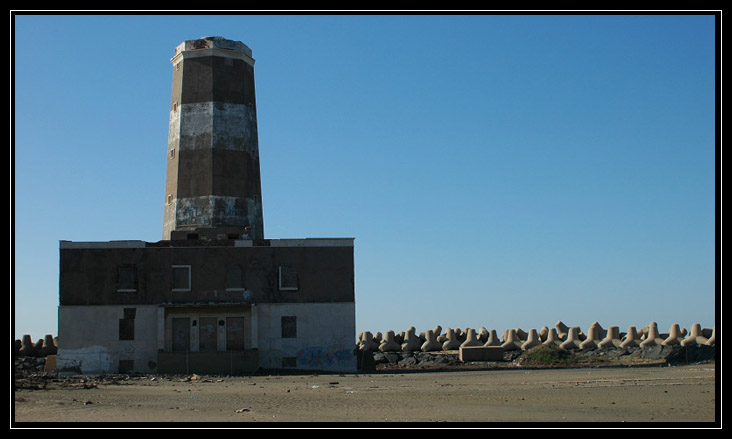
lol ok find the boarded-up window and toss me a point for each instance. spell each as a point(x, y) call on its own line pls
point(126, 278)
point(127, 324)
point(126, 329)
point(288, 278)
point(181, 334)
point(207, 334)
point(289, 326)
point(181, 278)
point(235, 332)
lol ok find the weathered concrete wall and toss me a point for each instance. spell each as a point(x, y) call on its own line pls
point(320, 338)
point(88, 271)
point(323, 339)
point(89, 339)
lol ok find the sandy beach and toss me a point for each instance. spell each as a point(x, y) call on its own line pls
point(481, 397)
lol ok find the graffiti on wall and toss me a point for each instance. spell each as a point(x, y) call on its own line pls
point(324, 357)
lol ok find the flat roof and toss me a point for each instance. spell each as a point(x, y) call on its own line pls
point(288, 242)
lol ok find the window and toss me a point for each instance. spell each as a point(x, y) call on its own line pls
point(126, 278)
point(181, 278)
point(172, 153)
point(289, 326)
point(127, 325)
point(235, 279)
point(288, 278)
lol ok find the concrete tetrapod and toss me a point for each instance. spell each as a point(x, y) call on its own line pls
point(452, 343)
point(632, 338)
point(600, 332)
point(713, 337)
point(695, 336)
point(411, 341)
point(674, 336)
point(573, 341)
point(592, 337)
point(612, 339)
point(532, 339)
point(562, 330)
point(543, 334)
point(459, 335)
point(48, 347)
point(431, 344)
point(471, 339)
point(483, 335)
point(652, 339)
point(27, 348)
point(436, 331)
point(552, 338)
point(521, 334)
point(493, 339)
point(511, 341)
point(367, 342)
point(389, 344)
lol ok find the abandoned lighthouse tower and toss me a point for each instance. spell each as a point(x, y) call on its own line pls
point(214, 295)
point(213, 182)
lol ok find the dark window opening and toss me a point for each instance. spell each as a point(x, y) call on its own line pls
point(126, 278)
point(289, 361)
point(289, 326)
point(126, 329)
point(235, 278)
point(289, 280)
point(181, 278)
point(127, 324)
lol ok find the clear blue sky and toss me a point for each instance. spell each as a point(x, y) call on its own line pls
point(498, 171)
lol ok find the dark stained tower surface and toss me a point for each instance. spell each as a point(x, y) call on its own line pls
point(213, 186)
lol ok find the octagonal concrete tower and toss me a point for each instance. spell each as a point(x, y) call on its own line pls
point(213, 188)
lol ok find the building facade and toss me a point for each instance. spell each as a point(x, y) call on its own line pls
point(213, 296)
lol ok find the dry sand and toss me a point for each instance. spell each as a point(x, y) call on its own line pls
point(629, 394)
